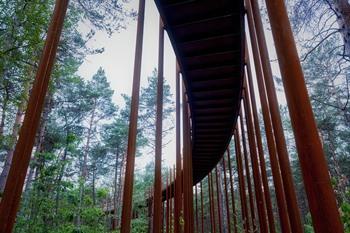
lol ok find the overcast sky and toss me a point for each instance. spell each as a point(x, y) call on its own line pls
point(118, 61)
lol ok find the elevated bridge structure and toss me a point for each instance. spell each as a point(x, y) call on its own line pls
point(216, 43)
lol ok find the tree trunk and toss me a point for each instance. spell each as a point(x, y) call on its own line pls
point(342, 8)
point(93, 185)
point(84, 172)
point(9, 155)
point(61, 173)
point(3, 113)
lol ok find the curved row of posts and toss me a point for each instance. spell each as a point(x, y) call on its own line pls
point(253, 189)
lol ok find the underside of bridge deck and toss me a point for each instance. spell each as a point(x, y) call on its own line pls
point(208, 39)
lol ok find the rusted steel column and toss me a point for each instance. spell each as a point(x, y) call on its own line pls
point(256, 174)
point(277, 178)
point(276, 175)
point(241, 182)
point(14, 185)
point(158, 140)
point(218, 198)
point(226, 197)
point(172, 192)
point(202, 209)
point(196, 204)
point(211, 193)
point(314, 167)
point(167, 205)
point(287, 178)
point(130, 158)
point(188, 187)
point(250, 192)
point(178, 180)
point(232, 191)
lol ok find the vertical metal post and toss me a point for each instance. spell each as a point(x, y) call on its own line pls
point(276, 175)
point(172, 193)
point(167, 205)
point(202, 209)
point(256, 173)
point(218, 198)
point(130, 159)
point(287, 178)
point(212, 202)
point(321, 198)
point(241, 182)
point(14, 185)
point(280, 195)
point(158, 140)
point(232, 191)
point(196, 204)
point(250, 192)
point(188, 187)
point(226, 198)
point(178, 180)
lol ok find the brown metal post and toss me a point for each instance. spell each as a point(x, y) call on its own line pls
point(167, 205)
point(130, 159)
point(241, 182)
point(210, 205)
point(172, 192)
point(321, 198)
point(14, 185)
point(157, 219)
point(277, 178)
point(212, 201)
point(202, 208)
point(276, 175)
point(250, 191)
point(287, 178)
point(188, 187)
point(196, 203)
point(226, 198)
point(218, 198)
point(256, 173)
point(232, 191)
point(178, 180)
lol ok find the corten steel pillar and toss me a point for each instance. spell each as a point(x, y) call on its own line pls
point(256, 174)
point(235, 230)
point(167, 195)
point(202, 209)
point(249, 185)
point(196, 204)
point(287, 178)
point(212, 205)
point(187, 166)
point(321, 198)
point(172, 191)
point(228, 217)
point(130, 156)
point(158, 140)
point(241, 182)
point(23, 150)
point(178, 180)
point(276, 175)
point(218, 198)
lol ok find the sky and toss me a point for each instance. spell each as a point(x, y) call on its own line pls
point(118, 61)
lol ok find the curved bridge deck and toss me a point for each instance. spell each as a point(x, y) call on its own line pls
point(208, 39)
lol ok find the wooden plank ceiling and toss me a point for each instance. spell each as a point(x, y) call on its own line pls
point(208, 40)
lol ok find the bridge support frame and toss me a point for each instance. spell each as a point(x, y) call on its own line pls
point(131, 150)
point(13, 189)
point(321, 198)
